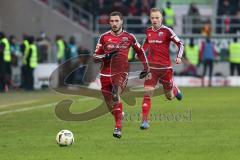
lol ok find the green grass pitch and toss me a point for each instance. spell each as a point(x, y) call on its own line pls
point(205, 125)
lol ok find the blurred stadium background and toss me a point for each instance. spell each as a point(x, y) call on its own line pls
point(66, 28)
point(79, 23)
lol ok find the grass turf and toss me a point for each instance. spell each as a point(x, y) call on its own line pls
point(205, 125)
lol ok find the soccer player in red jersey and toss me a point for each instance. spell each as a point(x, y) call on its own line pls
point(158, 38)
point(112, 49)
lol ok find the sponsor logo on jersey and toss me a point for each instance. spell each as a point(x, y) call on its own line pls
point(155, 41)
point(160, 34)
point(125, 39)
point(110, 46)
point(113, 46)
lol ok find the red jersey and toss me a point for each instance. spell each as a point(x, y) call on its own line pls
point(121, 43)
point(157, 43)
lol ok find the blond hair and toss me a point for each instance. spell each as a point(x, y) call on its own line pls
point(155, 10)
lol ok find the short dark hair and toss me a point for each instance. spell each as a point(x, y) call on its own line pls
point(116, 13)
point(31, 39)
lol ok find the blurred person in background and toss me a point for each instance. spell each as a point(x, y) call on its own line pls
point(72, 48)
point(7, 60)
point(169, 15)
point(206, 30)
point(71, 52)
point(83, 56)
point(44, 47)
point(119, 6)
point(31, 63)
point(61, 48)
point(194, 14)
point(192, 53)
point(14, 46)
point(208, 54)
point(16, 64)
point(132, 9)
point(145, 8)
point(61, 51)
point(103, 17)
point(2, 66)
point(235, 23)
point(234, 56)
point(24, 48)
point(225, 10)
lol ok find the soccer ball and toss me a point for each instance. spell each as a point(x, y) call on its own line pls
point(65, 138)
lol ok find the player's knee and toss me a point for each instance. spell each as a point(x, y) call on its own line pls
point(148, 91)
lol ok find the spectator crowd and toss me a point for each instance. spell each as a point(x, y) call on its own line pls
point(19, 58)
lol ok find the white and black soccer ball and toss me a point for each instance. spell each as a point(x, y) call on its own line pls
point(65, 138)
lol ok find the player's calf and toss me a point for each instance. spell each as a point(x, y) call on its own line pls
point(174, 92)
point(177, 93)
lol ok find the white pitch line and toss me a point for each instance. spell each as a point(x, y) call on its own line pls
point(18, 103)
point(27, 109)
point(37, 107)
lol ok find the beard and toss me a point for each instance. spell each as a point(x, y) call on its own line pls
point(115, 29)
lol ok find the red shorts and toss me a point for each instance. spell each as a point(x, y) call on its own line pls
point(163, 76)
point(107, 83)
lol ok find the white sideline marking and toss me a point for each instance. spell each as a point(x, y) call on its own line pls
point(39, 106)
point(18, 103)
point(27, 109)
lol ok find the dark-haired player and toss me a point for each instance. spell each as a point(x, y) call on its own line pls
point(112, 49)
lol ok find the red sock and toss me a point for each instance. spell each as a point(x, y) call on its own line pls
point(117, 113)
point(146, 105)
point(175, 90)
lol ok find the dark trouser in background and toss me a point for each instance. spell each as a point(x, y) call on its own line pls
point(29, 78)
point(234, 66)
point(207, 64)
point(2, 83)
point(2, 76)
point(23, 77)
point(8, 74)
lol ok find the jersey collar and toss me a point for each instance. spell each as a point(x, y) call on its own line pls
point(154, 30)
point(118, 34)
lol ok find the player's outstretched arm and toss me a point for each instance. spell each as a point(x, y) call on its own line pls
point(105, 57)
point(179, 43)
point(176, 40)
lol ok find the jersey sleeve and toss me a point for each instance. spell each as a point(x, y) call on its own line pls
point(99, 51)
point(140, 52)
point(99, 47)
point(176, 40)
